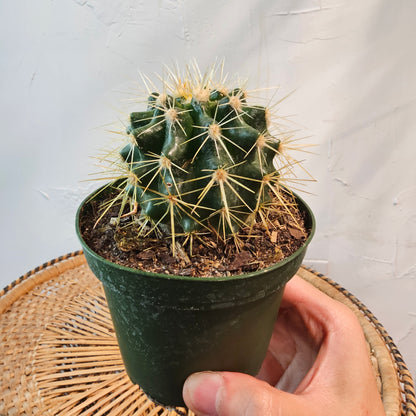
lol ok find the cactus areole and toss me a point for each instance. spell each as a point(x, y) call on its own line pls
point(199, 160)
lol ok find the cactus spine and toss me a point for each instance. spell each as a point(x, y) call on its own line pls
point(200, 157)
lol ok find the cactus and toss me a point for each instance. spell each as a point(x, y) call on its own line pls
point(201, 157)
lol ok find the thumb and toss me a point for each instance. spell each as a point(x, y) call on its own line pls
point(232, 394)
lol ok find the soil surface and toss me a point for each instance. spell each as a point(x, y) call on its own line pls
point(260, 247)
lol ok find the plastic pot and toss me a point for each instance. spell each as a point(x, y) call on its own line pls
point(169, 327)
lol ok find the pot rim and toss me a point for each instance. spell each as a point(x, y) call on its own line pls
point(164, 276)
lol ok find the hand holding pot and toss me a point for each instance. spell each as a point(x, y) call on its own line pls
point(317, 364)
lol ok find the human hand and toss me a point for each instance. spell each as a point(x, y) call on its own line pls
point(317, 355)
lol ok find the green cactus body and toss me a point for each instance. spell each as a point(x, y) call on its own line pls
point(200, 158)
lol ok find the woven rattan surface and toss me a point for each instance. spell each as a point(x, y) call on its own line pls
point(59, 355)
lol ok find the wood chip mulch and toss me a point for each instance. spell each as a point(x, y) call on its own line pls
point(118, 241)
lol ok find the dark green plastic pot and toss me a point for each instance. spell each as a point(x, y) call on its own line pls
point(169, 327)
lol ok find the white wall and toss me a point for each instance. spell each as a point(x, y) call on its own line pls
point(63, 65)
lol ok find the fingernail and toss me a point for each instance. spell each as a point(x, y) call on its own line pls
point(200, 392)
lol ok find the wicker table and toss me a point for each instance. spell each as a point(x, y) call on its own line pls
point(59, 355)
